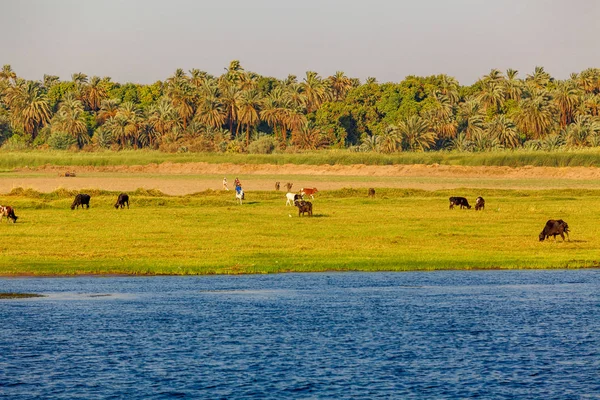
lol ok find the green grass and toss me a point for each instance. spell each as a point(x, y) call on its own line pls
point(208, 233)
point(34, 158)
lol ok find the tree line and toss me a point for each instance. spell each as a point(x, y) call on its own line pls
point(241, 111)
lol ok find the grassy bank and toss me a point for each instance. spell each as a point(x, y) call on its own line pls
point(584, 157)
point(208, 233)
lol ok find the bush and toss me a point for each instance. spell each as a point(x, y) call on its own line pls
point(264, 145)
point(15, 142)
point(61, 141)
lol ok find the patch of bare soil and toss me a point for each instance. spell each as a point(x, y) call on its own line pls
point(178, 179)
point(433, 170)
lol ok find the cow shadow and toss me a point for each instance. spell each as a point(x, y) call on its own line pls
point(320, 216)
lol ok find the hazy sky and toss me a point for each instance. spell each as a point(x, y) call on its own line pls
point(146, 40)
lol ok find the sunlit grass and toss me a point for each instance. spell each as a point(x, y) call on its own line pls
point(581, 157)
point(208, 233)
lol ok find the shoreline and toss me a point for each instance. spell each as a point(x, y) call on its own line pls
point(325, 271)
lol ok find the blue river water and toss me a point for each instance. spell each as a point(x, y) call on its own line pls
point(455, 334)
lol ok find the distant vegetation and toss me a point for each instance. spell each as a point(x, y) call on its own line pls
point(243, 112)
point(516, 158)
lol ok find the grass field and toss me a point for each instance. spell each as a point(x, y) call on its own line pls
point(208, 233)
point(581, 157)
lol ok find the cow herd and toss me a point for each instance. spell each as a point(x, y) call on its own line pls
point(552, 228)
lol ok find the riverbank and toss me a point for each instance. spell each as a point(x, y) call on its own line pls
point(208, 233)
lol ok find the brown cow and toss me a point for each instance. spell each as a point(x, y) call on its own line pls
point(479, 203)
point(309, 191)
point(553, 228)
point(277, 186)
point(304, 207)
point(371, 192)
point(288, 186)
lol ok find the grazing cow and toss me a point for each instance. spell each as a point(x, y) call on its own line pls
point(123, 198)
point(81, 199)
point(288, 186)
point(479, 203)
point(553, 228)
point(459, 201)
point(291, 198)
point(308, 191)
point(371, 192)
point(277, 185)
point(239, 194)
point(304, 207)
point(8, 212)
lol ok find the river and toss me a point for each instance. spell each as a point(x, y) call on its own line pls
point(454, 334)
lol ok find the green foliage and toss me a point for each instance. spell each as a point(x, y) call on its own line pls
point(61, 141)
point(500, 110)
point(264, 145)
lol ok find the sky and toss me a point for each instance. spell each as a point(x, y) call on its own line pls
point(144, 41)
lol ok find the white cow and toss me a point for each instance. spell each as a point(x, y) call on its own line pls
point(239, 195)
point(291, 197)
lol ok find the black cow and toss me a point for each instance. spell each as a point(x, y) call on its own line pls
point(123, 198)
point(371, 192)
point(9, 213)
point(479, 203)
point(553, 228)
point(304, 207)
point(81, 199)
point(459, 201)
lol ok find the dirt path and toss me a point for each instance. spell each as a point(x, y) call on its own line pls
point(187, 178)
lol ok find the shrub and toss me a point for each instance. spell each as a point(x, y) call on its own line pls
point(264, 145)
point(61, 141)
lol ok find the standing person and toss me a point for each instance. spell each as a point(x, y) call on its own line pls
point(225, 183)
point(238, 187)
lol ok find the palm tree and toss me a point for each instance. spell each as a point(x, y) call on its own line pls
point(162, 117)
point(492, 95)
point(316, 91)
point(539, 79)
point(340, 84)
point(442, 117)
point(249, 111)
point(566, 98)
point(416, 133)
point(79, 78)
point(8, 74)
point(536, 115)
point(309, 137)
point(210, 111)
point(230, 99)
point(94, 93)
point(470, 118)
point(390, 140)
point(108, 109)
point(29, 106)
point(513, 87)
point(50, 80)
point(183, 98)
point(448, 86)
point(504, 131)
point(581, 131)
point(70, 119)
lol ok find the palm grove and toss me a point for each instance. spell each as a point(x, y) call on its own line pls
point(241, 111)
